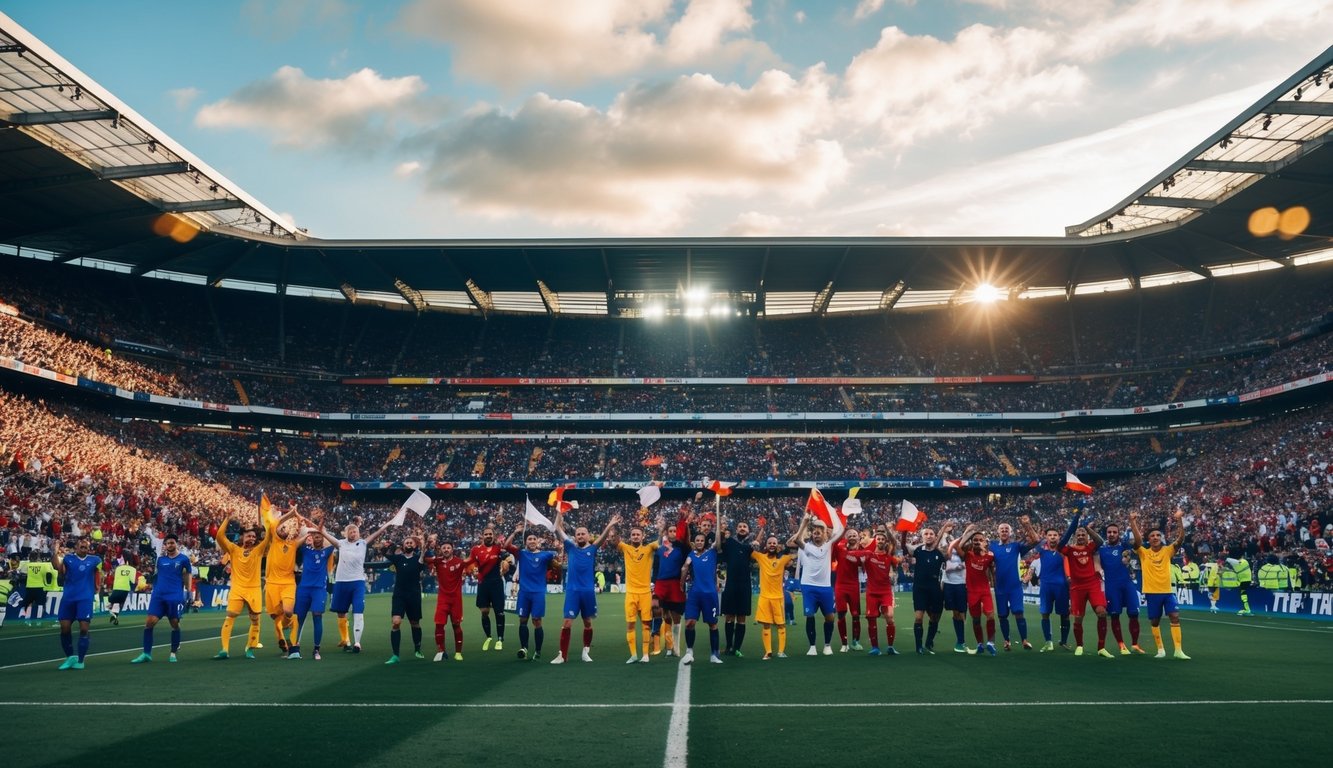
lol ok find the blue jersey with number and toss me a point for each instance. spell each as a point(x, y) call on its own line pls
point(1006, 564)
point(703, 572)
point(171, 572)
point(532, 567)
point(81, 576)
point(1113, 563)
point(582, 567)
point(314, 566)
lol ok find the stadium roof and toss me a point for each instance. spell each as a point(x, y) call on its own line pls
point(87, 180)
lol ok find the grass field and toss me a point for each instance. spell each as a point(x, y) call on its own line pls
point(1257, 690)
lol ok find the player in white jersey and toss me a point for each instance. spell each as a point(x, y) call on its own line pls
point(815, 559)
point(349, 582)
point(954, 579)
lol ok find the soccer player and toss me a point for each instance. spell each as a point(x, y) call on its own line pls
point(245, 588)
point(980, 574)
point(771, 612)
point(37, 575)
point(701, 599)
point(449, 570)
point(1053, 590)
point(533, 563)
point(580, 585)
point(1121, 593)
point(638, 556)
point(280, 579)
point(1085, 585)
point(927, 591)
point(880, 563)
point(815, 558)
point(847, 589)
point(1008, 585)
point(954, 582)
point(312, 590)
point(666, 586)
point(124, 577)
point(407, 566)
point(167, 599)
point(349, 582)
point(490, 583)
point(736, 549)
point(81, 571)
point(1155, 560)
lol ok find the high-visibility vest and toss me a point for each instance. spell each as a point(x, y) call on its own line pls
point(1176, 576)
point(1273, 576)
point(1210, 574)
point(1294, 576)
point(1190, 574)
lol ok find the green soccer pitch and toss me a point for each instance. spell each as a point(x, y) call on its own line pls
point(1257, 691)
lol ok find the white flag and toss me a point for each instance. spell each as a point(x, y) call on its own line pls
point(399, 518)
point(851, 506)
point(534, 516)
point(649, 495)
point(418, 502)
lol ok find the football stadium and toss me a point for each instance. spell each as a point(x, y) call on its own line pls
point(638, 500)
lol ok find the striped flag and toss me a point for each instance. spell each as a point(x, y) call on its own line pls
point(719, 487)
point(1072, 483)
point(556, 499)
point(830, 516)
point(910, 518)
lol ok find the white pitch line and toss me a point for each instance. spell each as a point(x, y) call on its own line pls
point(678, 732)
point(969, 704)
point(329, 705)
point(1249, 625)
point(104, 653)
point(675, 746)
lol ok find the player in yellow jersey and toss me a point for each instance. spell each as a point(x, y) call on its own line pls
point(771, 612)
point(280, 578)
point(638, 556)
point(246, 591)
point(1155, 562)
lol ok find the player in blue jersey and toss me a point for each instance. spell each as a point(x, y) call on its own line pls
point(1121, 591)
point(81, 571)
point(701, 601)
point(170, 589)
point(666, 580)
point(312, 588)
point(1053, 594)
point(533, 563)
point(580, 585)
point(1008, 584)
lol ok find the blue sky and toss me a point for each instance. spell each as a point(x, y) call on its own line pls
point(573, 118)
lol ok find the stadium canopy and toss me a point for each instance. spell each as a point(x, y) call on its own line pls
point(86, 180)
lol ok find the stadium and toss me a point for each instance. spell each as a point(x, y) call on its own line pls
point(172, 350)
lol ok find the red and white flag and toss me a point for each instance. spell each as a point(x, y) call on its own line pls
point(830, 516)
point(1072, 483)
point(719, 487)
point(954, 483)
point(556, 499)
point(910, 518)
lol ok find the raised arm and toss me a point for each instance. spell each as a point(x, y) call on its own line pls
point(722, 531)
point(615, 519)
point(1029, 530)
point(371, 538)
point(1180, 528)
point(795, 540)
point(1092, 534)
point(1069, 532)
point(57, 557)
point(1135, 530)
point(560, 524)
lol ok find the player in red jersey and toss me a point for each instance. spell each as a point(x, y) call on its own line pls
point(980, 570)
point(490, 583)
point(449, 569)
point(1085, 585)
point(847, 587)
point(880, 563)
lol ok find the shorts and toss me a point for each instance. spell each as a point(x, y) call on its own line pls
point(118, 596)
point(491, 594)
point(701, 606)
point(1054, 598)
point(531, 604)
point(638, 605)
point(955, 597)
point(736, 602)
point(76, 610)
point(816, 600)
point(245, 600)
point(928, 598)
point(35, 597)
point(166, 607)
point(581, 603)
point(979, 602)
point(1160, 604)
point(349, 594)
point(848, 599)
point(875, 602)
point(771, 611)
point(449, 609)
point(408, 606)
point(276, 596)
point(309, 600)
point(1081, 596)
point(669, 593)
point(1122, 596)
point(1009, 601)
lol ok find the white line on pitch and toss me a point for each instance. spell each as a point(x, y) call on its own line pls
point(678, 732)
point(1249, 625)
point(105, 653)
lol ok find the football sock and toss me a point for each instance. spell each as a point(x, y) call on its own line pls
point(395, 640)
point(1046, 628)
point(1175, 635)
point(486, 624)
point(358, 626)
point(1021, 622)
point(1004, 626)
point(810, 629)
point(522, 634)
point(713, 640)
point(148, 640)
point(587, 637)
point(958, 629)
point(416, 638)
point(227, 625)
point(828, 632)
point(731, 634)
point(740, 636)
point(842, 627)
point(916, 632)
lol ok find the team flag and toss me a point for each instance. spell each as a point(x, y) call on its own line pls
point(719, 487)
point(534, 516)
point(556, 498)
point(954, 483)
point(1072, 483)
point(266, 515)
point(852, 506)
point(830, 516)
point(649, 495)
point(910, 518)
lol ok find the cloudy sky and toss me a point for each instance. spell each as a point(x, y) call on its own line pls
point(573, 118)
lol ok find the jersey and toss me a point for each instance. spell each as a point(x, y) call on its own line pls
point(1051, 567)
point(703, 572)
point(847, 575)
point(955, 570)
point(172, 573)
point(81, 576)
point(815, 564)
point(124, 578)
point(245, 563)
point(488, 560)
point(37, 573)
point(1156, 569)
point(638, 566)
point(581, 576)
point(1082, 564)
point(314, 566)
point(280, 566)
point(977, 566)
point(771, 570)
point(448, 574)
point(736, 555)
point(1007, 556)
point(1113, 563)
point(406, 573)
point(351, 560)
point(671, 559)
point(532, 568)
point(879, 567)
point(929, 567)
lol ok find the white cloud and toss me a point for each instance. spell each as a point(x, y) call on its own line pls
point(360, 110)
point(867, 8)
point(800, 17)
point(757, 224)
point(511, 42)
point(1153, 23)
point(184, 97)
point(405, 169)
point(641, 165)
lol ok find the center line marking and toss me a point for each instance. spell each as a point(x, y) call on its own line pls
point(678, 732)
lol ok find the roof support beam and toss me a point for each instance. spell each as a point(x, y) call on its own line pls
point(760, 295)
point(51, 118)
point(101, 249)
point(1127, 266)
point(119, 172)
point(480, 299)
point(1191, 266)
point(892, 294)
point(1176, 202)
point(1239, 249)
point(410, 294)
point(1231, 166)
point(823, 298)
point(1287, 107)
point(194, 206)
point(216, 278)
point(161, 261)
point(549, 298)
point(610, 285)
